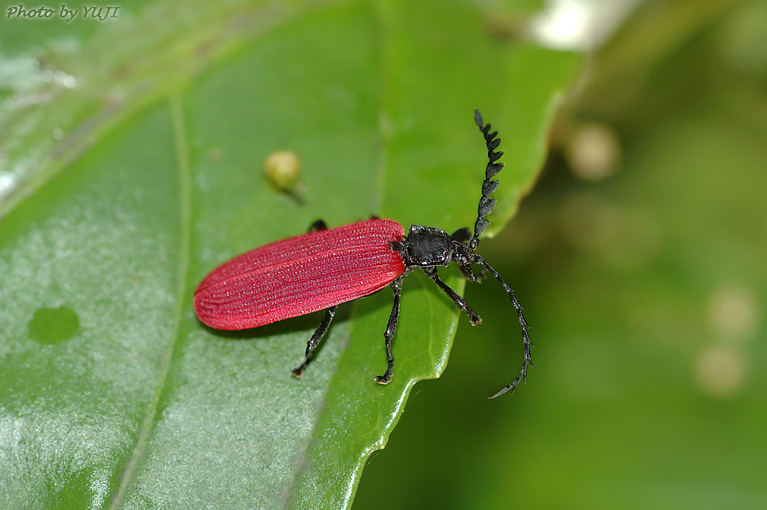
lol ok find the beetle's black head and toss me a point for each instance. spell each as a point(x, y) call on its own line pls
point(425, 247)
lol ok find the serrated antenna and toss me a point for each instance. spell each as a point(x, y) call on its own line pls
point(486, 204)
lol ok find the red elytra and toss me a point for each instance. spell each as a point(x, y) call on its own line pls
point(300, 275)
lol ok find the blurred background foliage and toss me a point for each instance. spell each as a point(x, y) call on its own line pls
point(640, 258)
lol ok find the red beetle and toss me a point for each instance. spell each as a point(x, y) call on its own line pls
point(326, 267)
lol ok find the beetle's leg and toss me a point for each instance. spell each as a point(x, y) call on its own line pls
point(458, 300)
point(468, 273)
point(314, 341)
point(462, 235)
point(528, 360)
point(391, 328)
point(317, 226)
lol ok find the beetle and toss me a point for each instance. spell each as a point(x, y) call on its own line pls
point(326, 267)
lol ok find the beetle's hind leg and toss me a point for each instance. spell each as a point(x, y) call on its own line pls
point(314, 341)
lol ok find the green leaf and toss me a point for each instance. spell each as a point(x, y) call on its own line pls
point(138, 168)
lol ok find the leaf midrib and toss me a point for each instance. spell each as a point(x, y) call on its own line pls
point(145, 430)
point(381, 26)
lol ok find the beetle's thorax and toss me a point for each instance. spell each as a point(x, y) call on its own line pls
point(427, 247)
